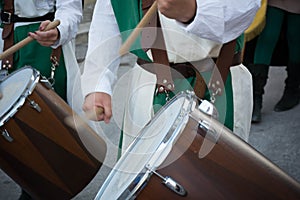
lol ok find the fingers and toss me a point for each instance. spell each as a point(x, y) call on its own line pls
point(44, 24)
point(45, 38)
point(98, 107)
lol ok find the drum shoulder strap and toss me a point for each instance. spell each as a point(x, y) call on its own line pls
point(220, 73)
point(8, 34)
point(160, 65)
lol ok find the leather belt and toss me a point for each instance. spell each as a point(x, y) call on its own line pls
point(187, 69)
point(8, 18)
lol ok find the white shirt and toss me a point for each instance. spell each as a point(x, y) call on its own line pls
point(217, 20)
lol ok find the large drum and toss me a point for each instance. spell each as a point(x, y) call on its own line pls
point(184, 153)
point(46, 157)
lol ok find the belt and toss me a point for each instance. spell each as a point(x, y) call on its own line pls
point(187, 69)
point(8, 18)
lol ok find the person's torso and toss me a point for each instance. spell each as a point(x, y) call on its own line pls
point(181, 46)
point(32, 8)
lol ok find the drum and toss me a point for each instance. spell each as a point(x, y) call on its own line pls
point(184, 153)
point(47, 158)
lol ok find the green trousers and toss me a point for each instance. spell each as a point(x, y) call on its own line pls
point(267, 40)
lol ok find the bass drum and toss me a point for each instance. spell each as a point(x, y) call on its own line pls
point(183, 153)
point(46, 157)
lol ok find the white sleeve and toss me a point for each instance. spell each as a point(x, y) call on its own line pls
point(102, 59)
point(222, 20)
point(69, 12)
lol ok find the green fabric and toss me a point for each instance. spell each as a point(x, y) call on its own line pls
point(224, 102)
point(38, 57)
point(133, 12)
point(267, 40)
point(159, 99)
point(239, 43)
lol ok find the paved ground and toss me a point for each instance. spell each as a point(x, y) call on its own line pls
point(277, 137)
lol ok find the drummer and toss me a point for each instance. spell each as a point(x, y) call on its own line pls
point(102, 61)
point(31, 18)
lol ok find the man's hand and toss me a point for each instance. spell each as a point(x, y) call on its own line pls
point(181, 10)
point(45, 38)
point(97, 100)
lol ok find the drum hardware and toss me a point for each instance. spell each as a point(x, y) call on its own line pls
point(46, 83)
point(160, 90)
point(170, 183)
point(34, 105)
point(51, 79)
point(12, 112)
point(3, 74)
point(6, 135)
point(54, 65)
point(209, 109)
point(216, 90)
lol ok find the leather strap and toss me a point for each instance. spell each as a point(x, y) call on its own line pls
point(220, 73)
point(7, 18)
point(8, 34)
point(55, 56)
point(160, 63)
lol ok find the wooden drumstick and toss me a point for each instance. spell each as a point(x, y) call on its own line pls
point(132, 37)
point(76, 121)
point(27, 40)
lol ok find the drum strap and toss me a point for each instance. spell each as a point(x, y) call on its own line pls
point(8, 34)
point(54, 58)
point(160, 63)
point(219, 74)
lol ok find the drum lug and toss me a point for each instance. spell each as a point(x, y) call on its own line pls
point(6, 135)
point(170, 183)
point(34, 105)
point(46, 83)
point(174, 186)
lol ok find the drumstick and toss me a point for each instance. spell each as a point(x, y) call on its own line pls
point(78, 121)
point(25, 41)
point(132, 37)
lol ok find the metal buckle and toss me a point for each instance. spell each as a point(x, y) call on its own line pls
point(6, 17)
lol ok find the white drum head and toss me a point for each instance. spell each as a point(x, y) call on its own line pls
point(151, 147)
point(13, 88)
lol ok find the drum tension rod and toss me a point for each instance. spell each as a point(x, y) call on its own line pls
point(6, 135)
point(170, 183)
point(34, 105)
